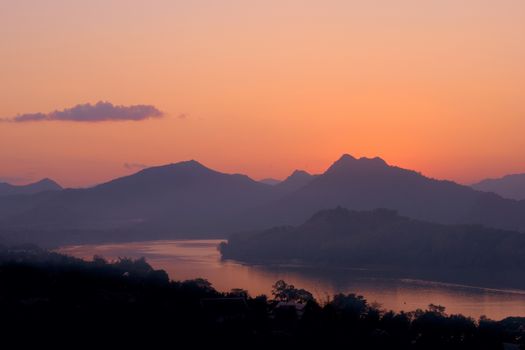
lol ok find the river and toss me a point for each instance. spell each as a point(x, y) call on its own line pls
point(189, 259)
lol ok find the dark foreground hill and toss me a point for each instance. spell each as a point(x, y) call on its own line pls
point(50, 300)
point(382, 238)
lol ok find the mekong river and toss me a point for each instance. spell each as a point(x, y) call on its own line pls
point(189, 259)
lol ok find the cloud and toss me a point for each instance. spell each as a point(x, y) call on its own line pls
point(135, 166)
point(99, 112)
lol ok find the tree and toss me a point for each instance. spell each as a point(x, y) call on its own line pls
point(283, 291)
point(437, 309)
point(351, 304)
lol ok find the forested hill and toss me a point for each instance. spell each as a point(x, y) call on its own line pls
point(382, 238)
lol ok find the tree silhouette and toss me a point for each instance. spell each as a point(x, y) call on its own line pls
point(283, 291)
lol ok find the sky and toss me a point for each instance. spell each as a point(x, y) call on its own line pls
point(92, 90)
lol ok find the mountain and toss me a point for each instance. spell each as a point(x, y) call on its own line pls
point(509, 186)
point(40, 186)
point(270, 181)
point(369, 183)
point(189, 200)
point(185, 197)
point(381, 238)
point(298, 179)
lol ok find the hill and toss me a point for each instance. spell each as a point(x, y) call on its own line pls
point(509, 186)
point(369, 183)
point(183, 197)
point(40, 186)
point(297, 180)
point(381, 238)
point(189, 200)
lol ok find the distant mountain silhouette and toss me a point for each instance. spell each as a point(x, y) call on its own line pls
point(270, 181)
point(509, 186)
point(188, 199)
point(298, 179)
point(381, 237)
point(40, 186)
point(183, 197)
point(369, 183)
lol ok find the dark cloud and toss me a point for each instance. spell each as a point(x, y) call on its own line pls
point(99, 112)
point(135, 166)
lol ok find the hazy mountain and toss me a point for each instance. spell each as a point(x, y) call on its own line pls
point(509, 186)
point(270, 181)
point(40, 186)
point(381, 238)
point(298, 179)
point(183, 197)
point(187, 199)
point(369, 183)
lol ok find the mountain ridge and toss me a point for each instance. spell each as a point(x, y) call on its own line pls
point(45, 184)
point(510, 186)
point(191, 199)
point(369, 183)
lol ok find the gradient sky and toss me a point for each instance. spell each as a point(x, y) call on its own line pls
point(264, 87)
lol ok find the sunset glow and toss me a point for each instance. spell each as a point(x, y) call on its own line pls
point(264, 87)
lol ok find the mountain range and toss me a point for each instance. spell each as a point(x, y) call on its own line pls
point(509, 186)
point(40, 186)
point(370, 183)
point(189, 200)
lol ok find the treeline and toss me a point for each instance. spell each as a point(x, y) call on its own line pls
point(49, 298)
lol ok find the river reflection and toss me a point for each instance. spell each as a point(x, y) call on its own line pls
point(188, 259)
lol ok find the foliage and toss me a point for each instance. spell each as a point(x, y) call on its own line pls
point(283, 291)
point(51, 299)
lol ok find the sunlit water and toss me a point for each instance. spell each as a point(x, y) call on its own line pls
point(189, 259)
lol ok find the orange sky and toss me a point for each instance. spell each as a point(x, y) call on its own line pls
point(266, 86)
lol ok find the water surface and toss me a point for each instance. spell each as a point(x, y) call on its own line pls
point(189, 259)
